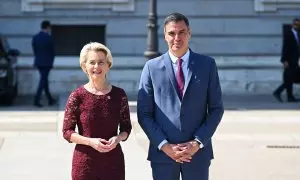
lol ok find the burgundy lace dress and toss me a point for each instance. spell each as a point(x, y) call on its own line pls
point(97, 116)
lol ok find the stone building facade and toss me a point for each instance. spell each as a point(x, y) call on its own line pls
point(244, 36)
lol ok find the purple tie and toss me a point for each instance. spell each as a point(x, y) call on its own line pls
point(180, 78)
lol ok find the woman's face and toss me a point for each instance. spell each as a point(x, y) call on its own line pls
point(96, 65)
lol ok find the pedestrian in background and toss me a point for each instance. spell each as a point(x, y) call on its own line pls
point(290, 61)
point(43, 49)
point(98, 109)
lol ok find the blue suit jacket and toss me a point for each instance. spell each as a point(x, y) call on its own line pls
point(43, 49)
point(162, 115)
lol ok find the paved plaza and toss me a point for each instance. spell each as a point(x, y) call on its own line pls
point(258, 139)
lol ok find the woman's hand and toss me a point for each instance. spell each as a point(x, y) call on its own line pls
point(99, 144)
point(113, 142)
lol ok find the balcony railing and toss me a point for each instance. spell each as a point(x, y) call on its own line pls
point(41, 5)
point(274, 5)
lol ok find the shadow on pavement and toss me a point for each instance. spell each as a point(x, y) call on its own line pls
point(231, 102)
point(25, 103)
point(246, 102)
point(257, 102)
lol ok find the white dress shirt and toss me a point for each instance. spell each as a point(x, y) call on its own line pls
point(185, 62)
point(296, 36)
point(184, 66)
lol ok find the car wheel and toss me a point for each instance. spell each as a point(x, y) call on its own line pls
point(15, 91)
point(7, 100)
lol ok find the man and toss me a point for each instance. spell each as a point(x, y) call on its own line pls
point(43, 49)
point(289, 59)
point(179, 106)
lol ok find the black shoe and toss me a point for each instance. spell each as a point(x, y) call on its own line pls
point(292, 99)
point(52, 102)
point(277, 97)
point(38, 105)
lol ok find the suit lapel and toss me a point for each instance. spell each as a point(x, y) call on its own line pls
point(190, 71)
point(170, 72)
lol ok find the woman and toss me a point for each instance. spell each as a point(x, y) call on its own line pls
point(97, 109)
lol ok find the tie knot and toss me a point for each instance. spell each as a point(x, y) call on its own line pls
point(179, 60)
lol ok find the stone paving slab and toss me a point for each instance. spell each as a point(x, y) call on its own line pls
point(28, 120)
point(1, 142)
point(35, 158)
point(236, 161)
point(32, 157)
point(240, 144)
point(48, 156)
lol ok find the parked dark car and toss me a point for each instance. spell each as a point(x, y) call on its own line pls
point(8, 72)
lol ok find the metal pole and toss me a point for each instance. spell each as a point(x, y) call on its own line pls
point(152, 39)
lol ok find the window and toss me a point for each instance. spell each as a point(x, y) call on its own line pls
point(69, 39)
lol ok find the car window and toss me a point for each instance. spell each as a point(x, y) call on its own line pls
point(2, 49)
point(2, 54)
point(5, 44)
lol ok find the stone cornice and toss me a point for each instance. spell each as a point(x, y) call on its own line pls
point(41, 5)
point(273, 5)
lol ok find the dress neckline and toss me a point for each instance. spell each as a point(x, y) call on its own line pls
point(112, 87)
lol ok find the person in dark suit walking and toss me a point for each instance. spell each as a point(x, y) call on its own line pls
point(180, 106)
point(289, 59)
point(43, 49)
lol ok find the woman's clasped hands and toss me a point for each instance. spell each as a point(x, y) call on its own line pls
point(103, 145)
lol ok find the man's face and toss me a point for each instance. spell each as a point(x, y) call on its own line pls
point(177, 35)
point(49, 29)
point(296, 25)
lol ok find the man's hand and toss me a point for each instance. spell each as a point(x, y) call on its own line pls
point(180, 153)
point(188, 149)
point(172, 151)
point(285, 64)
point(183, 157)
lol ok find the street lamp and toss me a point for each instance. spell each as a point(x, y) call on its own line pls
point(152, 39)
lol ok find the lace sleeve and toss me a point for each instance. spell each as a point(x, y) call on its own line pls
point(71, 116)
point(125, 123)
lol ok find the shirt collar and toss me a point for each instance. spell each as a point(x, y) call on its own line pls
point(184, 58)
point(296, 35)
point(46, 32)
point(295, 32)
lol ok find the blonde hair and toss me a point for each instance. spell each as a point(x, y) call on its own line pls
point(97, 47)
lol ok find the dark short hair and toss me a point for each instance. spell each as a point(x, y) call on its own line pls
point(176, 17)
point(296, 20)
point(45, 24)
